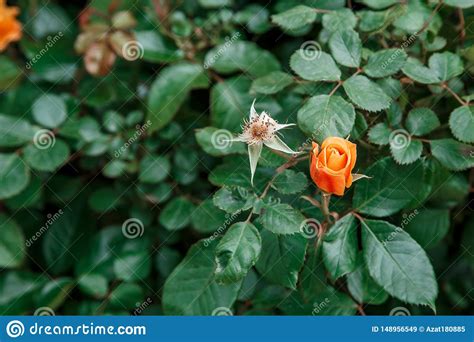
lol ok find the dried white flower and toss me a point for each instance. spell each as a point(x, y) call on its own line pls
point(261, 130)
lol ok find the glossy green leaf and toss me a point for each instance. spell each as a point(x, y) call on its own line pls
point(281, 258)
point(192, 288)
point(340, 247)
point(452, 154)
point(170, 89)
point(461, 123)
point(295, 17)
point(346, 48)
point(398, 263)
point(324, 116)
point(237, 252)
point(391, 188)
point(366, 94)
point(317, 66)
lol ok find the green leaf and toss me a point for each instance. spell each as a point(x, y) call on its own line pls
point(295, 17)
point(18, 290)
point(207, 218)
point(427, 226)
point(218, 142)
point(323, 116)
point(12, 243)
point(340, 247)
point(315, 67)
point(362, 287)
point(346, 47)
point(384, 63)
point(366, 94)
point(379, 4)
point(10, 73)
point(453, 155)
point(126, 295)
point(390, 188)
point(341, 19)
point(446, 65)
point(379, 134)
point(132, 265)
point(398, 263)
point(156, 48)
point(406, 152)
point(391, 87)
point(230, 103)
point(419, 73)
point(461, 123)
point(166, 260)
point(64, 230)
point(154, 169)
point(170, 89)
point(49, 110)
point(15, 131)
point(94, 285)
point(460, 3)
point(271, 83)
point(53, 294)
point(192, 288)
point(235, 55)
point(14, 175)
point(46, 159)
point(282, 219)
point(237, 252)
point(282, 258)
point(360, 127)
point(233, 200)
point(176, 214)
point(421, 121)
point(290, 182)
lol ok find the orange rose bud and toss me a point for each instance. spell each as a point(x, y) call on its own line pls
point(331, 168)
point(10, 28)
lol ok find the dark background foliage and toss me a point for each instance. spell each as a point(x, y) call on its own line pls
point(131, 178)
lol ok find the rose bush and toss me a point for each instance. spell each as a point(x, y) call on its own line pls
point(236, 157)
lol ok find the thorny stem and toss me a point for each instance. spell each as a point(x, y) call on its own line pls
point(428, 22)
point(456, 96)
point(291, 162)
point(462, 26)
point(340, 83)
